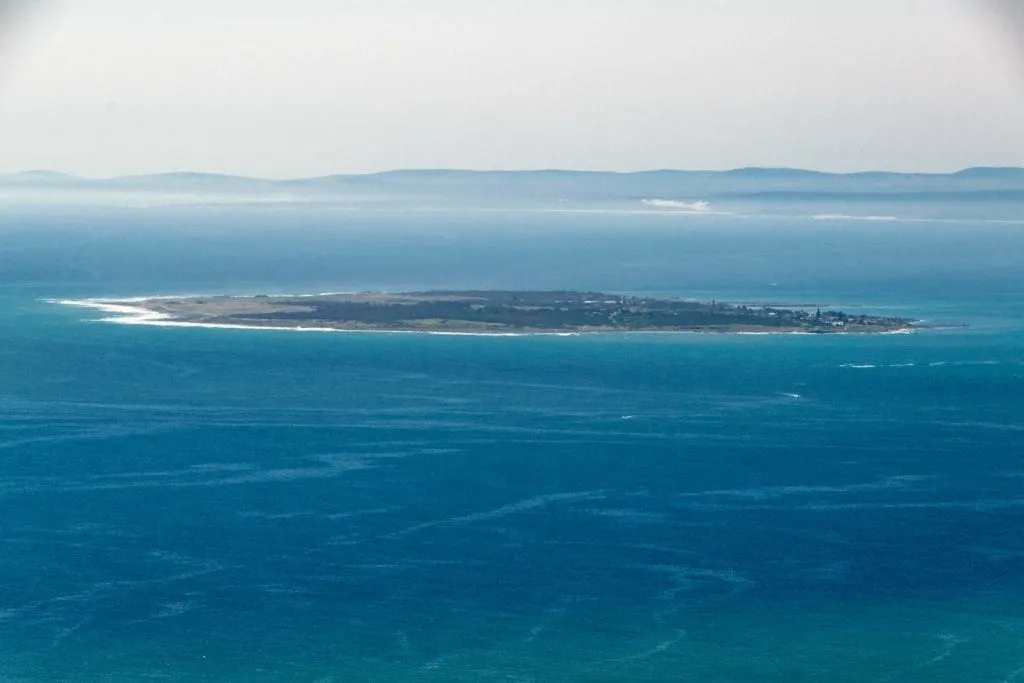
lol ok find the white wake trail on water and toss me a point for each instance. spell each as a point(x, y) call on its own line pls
point(847, 217)
point(691, 207)
point(658, 649)
point(505, 510)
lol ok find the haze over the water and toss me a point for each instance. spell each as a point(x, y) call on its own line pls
point(311, 87)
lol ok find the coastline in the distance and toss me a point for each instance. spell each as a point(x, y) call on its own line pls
point(489, 312)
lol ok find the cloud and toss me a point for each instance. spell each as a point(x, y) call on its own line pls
point(13, 14)
point(13, 11)
point(1008, 18)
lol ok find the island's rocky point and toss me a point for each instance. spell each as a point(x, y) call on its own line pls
point(490, 312)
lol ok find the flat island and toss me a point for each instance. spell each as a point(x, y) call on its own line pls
point(508, 312)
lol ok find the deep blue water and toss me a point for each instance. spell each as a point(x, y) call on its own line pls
point(232, 505)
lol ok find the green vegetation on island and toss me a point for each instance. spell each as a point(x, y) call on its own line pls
point(511, 312)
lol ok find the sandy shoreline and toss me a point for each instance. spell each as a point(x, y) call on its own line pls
point(139, 315)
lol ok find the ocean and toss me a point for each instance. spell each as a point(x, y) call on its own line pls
point(258, 505)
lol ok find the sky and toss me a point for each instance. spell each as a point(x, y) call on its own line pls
point(313, 87)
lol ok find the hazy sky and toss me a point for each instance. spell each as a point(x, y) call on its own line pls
point(309, 87)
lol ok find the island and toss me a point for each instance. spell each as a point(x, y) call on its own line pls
point(506, 312)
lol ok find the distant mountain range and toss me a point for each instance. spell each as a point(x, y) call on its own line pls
point(657, 189)
point(757, 173)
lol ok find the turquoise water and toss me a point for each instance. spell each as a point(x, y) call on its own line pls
point(232, 505)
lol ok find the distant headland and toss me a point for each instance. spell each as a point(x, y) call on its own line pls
point(976, 192)
point(499, 312)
